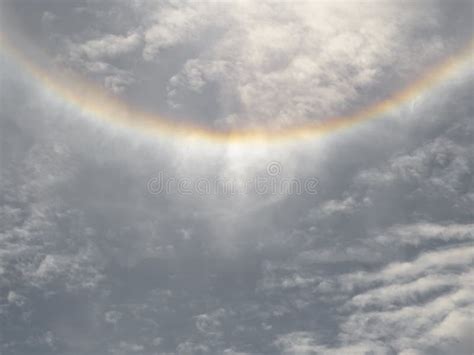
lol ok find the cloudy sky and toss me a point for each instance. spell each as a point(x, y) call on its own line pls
point(373, 254)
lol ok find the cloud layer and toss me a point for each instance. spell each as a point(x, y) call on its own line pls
point(378, 261)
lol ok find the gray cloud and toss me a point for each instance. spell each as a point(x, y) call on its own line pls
point(379, 261)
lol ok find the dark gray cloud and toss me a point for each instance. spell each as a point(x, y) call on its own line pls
point(378, 261)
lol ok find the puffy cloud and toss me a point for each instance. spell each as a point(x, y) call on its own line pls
point(289, 63)
point(267, 63)
point(108, 47)
point(378, 261)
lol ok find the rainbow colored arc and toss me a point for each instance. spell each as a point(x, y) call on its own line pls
point(92, 101)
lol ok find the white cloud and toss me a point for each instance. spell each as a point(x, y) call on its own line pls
point(380, 260)
point(173, 25)
point(416, 234)
point(106, 47)
point(290, 63)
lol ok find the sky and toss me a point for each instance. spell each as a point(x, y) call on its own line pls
point(236, 177)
